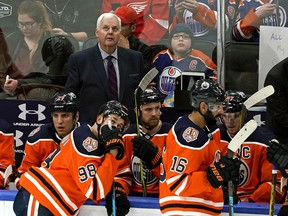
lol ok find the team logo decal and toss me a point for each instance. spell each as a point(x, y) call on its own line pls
point(34, 132)
point(5, 10)
point(90, 144)
point(190, 134)
point(276, 17)
point(25, 112)
point(167, 80)
point(197, 28)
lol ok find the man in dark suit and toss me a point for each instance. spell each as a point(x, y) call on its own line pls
point(88, 70)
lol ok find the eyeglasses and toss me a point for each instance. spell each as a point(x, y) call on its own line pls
point(183, 36)
point(27, 25)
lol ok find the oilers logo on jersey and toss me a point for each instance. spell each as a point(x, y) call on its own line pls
point(150, 177)
point(167, 80)
point(244, 174)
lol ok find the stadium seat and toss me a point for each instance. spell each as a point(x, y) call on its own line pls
point(90, 42)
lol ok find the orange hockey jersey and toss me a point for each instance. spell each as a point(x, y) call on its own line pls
point(255, 170)
point(184, 188)
point(76, 171)
point(40, 143)
point(128, 174)
point(6, 148)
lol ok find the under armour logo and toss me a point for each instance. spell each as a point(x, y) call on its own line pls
point(38, 112)
point(17, 139)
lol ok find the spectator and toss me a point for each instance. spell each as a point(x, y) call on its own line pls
point(6, 149)
point(146, 147)
point(8, 15)
point(201, 16)
point(254, 183)
point(38, 86)
point(129, 18)
point(192, 154)
point(153, 15)
point(88, 70)
point(253, 14)
point(7, 67)
point(82, 167)
point(180, 57)
point(25, 45)
point(277, 104)
point(71, 17)
point(43, 140)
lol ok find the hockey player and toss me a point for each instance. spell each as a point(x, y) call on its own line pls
point(82, 167)
point(147, 147)
point(254, 13)
point(6, 149)
point(43, 140)
point(192, 170)
point(255, 177)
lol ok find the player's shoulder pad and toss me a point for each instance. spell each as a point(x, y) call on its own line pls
point(85, 142)
point(166, 126)
point(262, 135)
point(131, 130)
point(189, 134)
point(46, 131)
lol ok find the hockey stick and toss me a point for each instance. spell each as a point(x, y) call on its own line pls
point(234, 144)
point(113, 185)
point(7, 173)
point(259, 96)
point(273, 192)
point(137, 94)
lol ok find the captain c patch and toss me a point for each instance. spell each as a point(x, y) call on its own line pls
point(90, 144)
point(190, 134)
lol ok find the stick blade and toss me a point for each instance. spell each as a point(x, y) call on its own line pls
point(7, 173)
point(148, 78)
point(259, 96)
point(242, 135)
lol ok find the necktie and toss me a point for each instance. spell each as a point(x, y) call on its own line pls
point(112, 79)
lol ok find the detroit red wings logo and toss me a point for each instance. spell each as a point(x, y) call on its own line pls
point(190, 134)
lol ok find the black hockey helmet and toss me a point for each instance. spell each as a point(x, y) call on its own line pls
point(149, 95)
point(206, 90)
point(115, 107)
point(55, 46)
point(234, 100)
point(64, 103)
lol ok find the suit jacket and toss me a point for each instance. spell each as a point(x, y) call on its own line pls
point(88, 80)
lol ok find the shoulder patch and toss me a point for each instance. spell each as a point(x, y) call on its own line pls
point(190, 134)
point(90, 144)
point(32, 133)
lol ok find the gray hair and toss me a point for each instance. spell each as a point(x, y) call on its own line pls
point(108, 15)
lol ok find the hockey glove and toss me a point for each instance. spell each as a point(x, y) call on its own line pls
point(221, 172)
point(113, 140)
point(121, 201)
point(277, 154)
point(283, 210)
point(147, 151)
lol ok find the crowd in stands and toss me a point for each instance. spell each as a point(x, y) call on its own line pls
point(87, 60)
